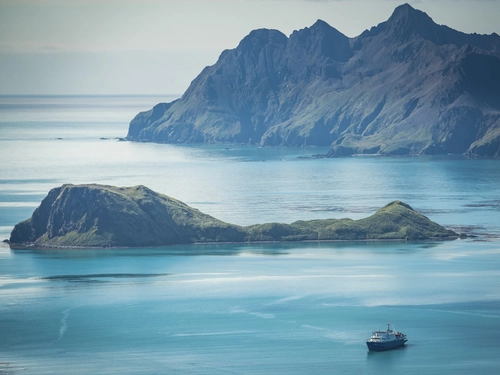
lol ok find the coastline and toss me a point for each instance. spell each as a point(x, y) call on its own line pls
point(46, 247)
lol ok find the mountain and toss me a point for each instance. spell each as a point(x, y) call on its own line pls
point(107, 216)
point(405, 87)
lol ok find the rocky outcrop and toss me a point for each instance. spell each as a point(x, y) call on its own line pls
point(106, 216)
point(103, 216)
point(406, 86)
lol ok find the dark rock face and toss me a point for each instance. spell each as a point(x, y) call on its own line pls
point(406, 86)
point(107, 216)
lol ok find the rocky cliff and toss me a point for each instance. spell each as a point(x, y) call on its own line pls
point(407, 86)
point(107, 216)
point(103, 216)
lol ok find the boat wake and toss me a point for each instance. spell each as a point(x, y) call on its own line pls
point(64, 324)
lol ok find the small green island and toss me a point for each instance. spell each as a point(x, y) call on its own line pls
point(99, 216)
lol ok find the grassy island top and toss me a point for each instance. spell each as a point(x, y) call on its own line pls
point(99, 216)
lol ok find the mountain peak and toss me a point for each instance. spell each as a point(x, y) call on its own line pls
point(320, 27)
point(404, 9)
point(321, 24)
point(323, 39)
point(329, 31)
point(406, 21)
point(264, 36)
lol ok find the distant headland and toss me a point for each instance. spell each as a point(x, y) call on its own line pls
point(407, 86)
point(100, 216)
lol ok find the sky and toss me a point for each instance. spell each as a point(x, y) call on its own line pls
point(157, 47)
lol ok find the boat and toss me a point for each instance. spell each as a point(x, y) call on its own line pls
point(386, 340)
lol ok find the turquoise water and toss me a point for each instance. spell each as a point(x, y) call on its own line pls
point(242, 309)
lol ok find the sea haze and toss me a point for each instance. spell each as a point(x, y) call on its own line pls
point(245, 309)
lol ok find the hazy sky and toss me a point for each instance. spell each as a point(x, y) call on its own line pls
point(159, 46)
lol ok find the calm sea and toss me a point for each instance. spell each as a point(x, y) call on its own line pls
point(304, 308)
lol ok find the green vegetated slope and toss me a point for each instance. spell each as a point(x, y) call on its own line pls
point(395, 221)
point(108, 216)
point(102, 216)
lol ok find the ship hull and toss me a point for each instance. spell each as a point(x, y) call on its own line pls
point(382, 346)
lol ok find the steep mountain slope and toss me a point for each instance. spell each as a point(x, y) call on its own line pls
point(105, 216)
point(406, 86)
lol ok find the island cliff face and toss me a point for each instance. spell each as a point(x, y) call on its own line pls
point(106, 216)
point(405, 87)
point(103, 216)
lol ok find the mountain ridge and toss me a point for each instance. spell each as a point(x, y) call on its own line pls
point(407, 86)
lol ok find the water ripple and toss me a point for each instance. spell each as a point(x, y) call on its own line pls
point(102, 276)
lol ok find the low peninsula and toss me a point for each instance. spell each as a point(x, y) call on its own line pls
point(100, 216)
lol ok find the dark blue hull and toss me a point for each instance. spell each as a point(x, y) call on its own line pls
point(388, 345)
